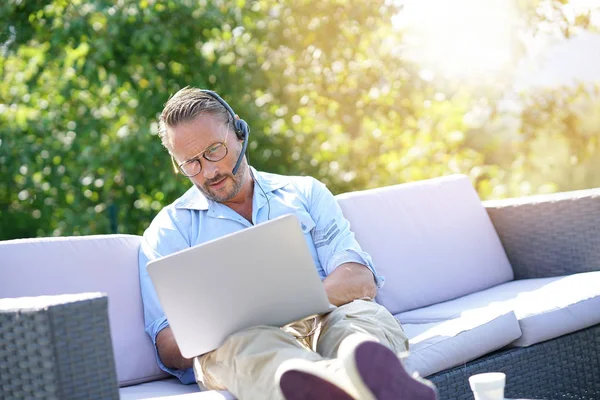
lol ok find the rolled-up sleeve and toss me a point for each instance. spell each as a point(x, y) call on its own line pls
point(333, 239)
point(161, 238)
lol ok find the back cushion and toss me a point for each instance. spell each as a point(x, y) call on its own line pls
point(48, 266)
point(432, 240)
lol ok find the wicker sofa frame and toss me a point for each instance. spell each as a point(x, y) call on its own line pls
point(543, 236)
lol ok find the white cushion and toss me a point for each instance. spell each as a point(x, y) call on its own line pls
point(171, 389)
point(545, 308)
point(436, 346)
point(561, 306)
point(432, 240)
point(49, 266)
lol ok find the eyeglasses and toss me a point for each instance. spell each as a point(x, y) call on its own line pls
point(213, 153)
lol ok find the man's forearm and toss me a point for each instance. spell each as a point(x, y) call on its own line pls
point(169, 352)
point(349, 282)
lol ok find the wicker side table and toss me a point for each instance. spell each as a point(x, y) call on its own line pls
point(56, 347)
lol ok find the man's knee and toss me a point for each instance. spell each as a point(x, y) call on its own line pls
point(369, 317)
point(360, 308)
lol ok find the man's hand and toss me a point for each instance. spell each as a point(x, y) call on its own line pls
point(348, 282)
point(168, 351)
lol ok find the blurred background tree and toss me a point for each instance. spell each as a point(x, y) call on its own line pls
point(327, 87)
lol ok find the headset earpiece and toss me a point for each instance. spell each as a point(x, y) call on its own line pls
point(242, 129)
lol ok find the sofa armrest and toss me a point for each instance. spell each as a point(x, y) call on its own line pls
point(57, 347)
point(549, 235)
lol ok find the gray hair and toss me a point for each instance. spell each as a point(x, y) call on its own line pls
point(186, 105)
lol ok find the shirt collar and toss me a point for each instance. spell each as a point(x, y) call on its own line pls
point(193, 199)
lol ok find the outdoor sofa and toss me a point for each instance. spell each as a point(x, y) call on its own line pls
point(510, 285)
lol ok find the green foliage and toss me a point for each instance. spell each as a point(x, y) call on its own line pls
point(82, 86)
point(322, 85)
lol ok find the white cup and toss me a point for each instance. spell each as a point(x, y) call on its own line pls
point(488, 386)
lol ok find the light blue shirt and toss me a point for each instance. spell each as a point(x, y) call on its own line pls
point(193, 219)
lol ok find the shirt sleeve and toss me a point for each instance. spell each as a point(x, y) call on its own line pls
point(162, 238)
point(333, 239)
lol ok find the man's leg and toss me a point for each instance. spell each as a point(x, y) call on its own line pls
point(247, 361)
point(360, 316)
point(369, 339)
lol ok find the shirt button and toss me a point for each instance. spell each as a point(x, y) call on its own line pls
point(303, 227)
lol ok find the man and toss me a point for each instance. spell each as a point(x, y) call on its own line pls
point(348, 354)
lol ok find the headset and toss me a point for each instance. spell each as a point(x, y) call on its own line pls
point(242, 130)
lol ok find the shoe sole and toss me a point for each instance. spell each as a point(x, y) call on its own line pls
point(377, 373)
point(300, 385)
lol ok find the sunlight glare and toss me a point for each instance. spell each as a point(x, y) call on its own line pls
point(462, 38)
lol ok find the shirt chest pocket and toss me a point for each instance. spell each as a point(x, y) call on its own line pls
point(306, 222)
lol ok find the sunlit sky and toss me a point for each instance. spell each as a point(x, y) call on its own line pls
point(460, 37)
point(474, 39)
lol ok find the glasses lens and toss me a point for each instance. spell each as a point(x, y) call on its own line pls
point(191, 168)
point(216, 152)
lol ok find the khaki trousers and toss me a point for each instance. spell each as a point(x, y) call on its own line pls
point(247, 361)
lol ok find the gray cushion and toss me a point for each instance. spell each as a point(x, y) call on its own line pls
point(171, 389)
point(49, 266)
point(545, 308)
point(436, 345)
point(432, 240)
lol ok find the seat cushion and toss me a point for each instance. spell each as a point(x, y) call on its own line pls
point(171, 389)
point(432, 240)
point(545, 308)
point(439, 345)
point(561, 306)
point(108, 264)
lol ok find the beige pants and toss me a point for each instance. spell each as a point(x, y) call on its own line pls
point(246, 362)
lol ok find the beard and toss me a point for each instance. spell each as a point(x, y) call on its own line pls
point(224, 194)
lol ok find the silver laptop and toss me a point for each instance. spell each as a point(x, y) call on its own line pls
point(263, 275)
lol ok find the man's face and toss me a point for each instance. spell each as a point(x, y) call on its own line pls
point(216, 180)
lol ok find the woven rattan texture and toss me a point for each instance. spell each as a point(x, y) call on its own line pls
point(552, 236)
point(27, 357)
point(567, 367)
point(61, 352)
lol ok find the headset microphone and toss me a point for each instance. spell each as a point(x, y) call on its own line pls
point(242, 152)
point(242, 130)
